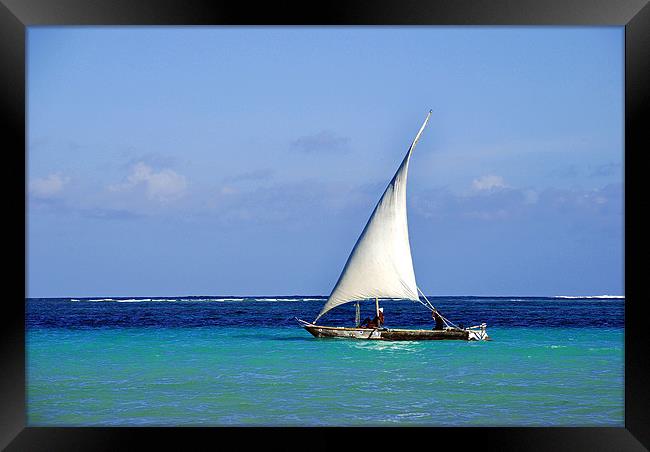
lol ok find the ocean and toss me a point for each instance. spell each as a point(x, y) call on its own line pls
point(244, 361)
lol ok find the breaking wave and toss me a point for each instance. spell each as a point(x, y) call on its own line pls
point(591, 296)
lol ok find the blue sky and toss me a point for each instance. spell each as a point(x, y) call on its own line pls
point(246, 161)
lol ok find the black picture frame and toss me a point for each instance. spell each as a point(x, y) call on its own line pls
point(16, 15)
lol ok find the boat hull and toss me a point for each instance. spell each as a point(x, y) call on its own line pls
point(395, 334)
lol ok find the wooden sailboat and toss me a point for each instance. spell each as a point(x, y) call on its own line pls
point(380, 267)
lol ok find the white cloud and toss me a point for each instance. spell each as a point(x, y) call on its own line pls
point(48, 187)
point(488, 182)
point(602, 204)
point(162, 185)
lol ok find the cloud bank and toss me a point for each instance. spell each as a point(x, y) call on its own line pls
point(488, 182)
point(162, 185)
point(48, 187)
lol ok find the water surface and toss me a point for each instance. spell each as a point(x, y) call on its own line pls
point(245, 361)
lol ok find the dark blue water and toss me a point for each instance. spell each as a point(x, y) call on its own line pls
point(227, 361)
point(280, 311)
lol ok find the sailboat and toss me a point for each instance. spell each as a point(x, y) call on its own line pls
point(380, 267)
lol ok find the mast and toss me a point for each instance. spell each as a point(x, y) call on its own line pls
point(377, 311)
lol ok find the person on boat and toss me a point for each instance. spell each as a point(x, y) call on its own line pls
point(438, 319)
point(377, 322)
point(367, 323)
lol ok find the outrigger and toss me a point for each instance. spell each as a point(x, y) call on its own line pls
point(380, 267)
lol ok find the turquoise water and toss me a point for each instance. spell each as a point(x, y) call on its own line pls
point(250, 375)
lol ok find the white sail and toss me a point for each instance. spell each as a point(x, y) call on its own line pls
point(380, 265)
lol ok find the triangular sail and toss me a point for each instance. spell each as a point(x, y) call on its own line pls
point(380, 265)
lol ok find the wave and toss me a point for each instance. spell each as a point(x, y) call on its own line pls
point(278, 299)
point(210, 299)
point(591, 296)
point(227, 299)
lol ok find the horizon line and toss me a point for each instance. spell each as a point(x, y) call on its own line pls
point(108, 297)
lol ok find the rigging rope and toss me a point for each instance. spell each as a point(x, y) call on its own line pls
point(426, 305)
point(446, 321)
point(431, 307)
